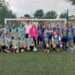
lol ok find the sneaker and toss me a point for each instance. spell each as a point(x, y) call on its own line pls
point(35, 49)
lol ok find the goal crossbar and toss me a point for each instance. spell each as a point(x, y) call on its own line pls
point(36, 20)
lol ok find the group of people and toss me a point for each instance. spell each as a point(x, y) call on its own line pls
point(34, 37)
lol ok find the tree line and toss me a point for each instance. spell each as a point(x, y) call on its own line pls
point(48, 15)
point(6, 13)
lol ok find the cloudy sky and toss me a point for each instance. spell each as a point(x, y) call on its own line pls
point(21, 7)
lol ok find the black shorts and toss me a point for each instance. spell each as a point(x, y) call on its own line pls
point(26, 35)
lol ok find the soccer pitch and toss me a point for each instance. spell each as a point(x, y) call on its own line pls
point(37, 64)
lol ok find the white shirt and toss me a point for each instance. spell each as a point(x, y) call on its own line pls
point(27, 28)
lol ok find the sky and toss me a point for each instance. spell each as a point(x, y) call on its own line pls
point(21, 7)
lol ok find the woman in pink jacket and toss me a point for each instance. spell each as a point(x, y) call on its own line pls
point(34, 33)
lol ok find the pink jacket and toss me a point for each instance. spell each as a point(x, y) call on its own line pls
point(33, 32)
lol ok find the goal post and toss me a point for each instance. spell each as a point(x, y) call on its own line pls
point(34, 20)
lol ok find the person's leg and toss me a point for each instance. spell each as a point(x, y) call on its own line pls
point(54, 46)
point(74, 41)
point(31, 48)
point(4, 48)
point(38, 41)
point(35, 43)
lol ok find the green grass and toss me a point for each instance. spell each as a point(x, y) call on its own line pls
point(37, 64)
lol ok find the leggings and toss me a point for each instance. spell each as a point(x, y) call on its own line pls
point(35, 41)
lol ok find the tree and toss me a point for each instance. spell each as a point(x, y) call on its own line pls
point(63, 15)
point(27, 16)
point(5, 13)
point(51, 15)
point(39, 14)
point(73, 2)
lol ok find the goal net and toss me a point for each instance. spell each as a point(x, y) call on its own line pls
point(18, 24)
point(16, 27)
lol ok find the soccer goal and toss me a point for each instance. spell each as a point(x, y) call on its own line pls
point(21, 22)
point(16, 26)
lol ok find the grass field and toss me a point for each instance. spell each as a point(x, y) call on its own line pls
point(37, 64)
